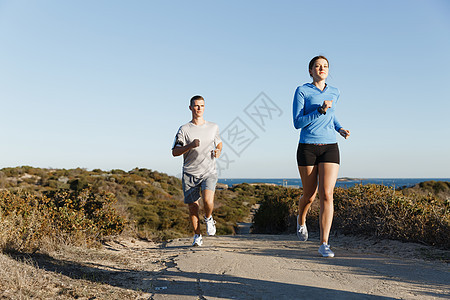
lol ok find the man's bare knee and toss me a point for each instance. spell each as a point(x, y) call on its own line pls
point(193, 207)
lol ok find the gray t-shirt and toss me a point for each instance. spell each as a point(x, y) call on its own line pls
point(198, 161)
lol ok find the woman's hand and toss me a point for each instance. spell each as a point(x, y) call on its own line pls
point(326, 105)
point(344, 132)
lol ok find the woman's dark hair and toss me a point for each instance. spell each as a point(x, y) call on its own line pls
point(197, 97)
point(312, 62)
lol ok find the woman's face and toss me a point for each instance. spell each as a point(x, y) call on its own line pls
point(319, 70)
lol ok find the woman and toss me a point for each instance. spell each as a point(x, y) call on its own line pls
point(317, 152)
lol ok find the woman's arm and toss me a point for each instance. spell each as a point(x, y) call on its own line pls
point(301, 120)
point(337, 126)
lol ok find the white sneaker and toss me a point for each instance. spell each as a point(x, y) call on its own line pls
point(302, 231)
point(325, 250)
point(210, 226)
point(198, 241)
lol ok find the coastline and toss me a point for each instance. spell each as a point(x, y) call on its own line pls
point(341, 181)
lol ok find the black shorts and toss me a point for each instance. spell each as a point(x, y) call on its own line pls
point(313, 154)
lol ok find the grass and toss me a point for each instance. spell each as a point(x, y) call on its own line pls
point(23, 278)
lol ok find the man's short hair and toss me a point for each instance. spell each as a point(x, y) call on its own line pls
point(197, 97)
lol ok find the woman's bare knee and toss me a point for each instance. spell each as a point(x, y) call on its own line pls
point(328, 196)
point(308, 198)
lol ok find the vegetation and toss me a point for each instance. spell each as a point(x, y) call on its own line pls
point(277, 213)
point(29, 221)
point(43, 206)
point(40, 207)
point(440, 189)
point(373, 210)
point(148, 200)
point(43, 210)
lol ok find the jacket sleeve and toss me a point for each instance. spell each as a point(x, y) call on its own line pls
point(300, 119)
point(337, 125)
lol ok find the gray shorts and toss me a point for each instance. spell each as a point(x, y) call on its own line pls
point(192, 186)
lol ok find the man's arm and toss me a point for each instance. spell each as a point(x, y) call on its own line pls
point(177, 151)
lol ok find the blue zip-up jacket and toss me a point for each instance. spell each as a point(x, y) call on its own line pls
point(315, 127)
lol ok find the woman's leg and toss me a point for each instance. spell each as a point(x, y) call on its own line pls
point(328, 173)
point(308, 174)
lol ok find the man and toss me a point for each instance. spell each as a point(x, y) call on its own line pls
point(200, 144)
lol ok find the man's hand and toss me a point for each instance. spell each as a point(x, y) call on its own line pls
point(195, 143)
point(183, 149)
point(216, 153)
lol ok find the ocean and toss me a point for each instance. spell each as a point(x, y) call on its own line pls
point(341, 182)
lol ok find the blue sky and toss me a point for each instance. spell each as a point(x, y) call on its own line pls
point(106, 84)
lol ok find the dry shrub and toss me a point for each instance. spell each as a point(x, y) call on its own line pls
point(380, 211)
point(84, 212)
point(22, 224)
point(373, 210)
point(29, 222)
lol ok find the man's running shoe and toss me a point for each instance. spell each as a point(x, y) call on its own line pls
point(302, 231)
point(325, 250)
point(198, 241)
point(210, 226)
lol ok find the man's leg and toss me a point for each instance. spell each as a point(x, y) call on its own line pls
point(192, 196)
point(194, 209)
point(208, 206)
point(208, 202)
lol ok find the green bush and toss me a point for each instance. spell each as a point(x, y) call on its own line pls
point(158, 220)
point(278, 211)
point(435, 186)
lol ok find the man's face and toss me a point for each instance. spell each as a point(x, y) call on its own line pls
point(197, 108)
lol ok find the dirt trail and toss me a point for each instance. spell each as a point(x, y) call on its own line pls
point(234, 267)
point(276, 267)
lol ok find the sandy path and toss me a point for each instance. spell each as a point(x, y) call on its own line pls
point(280, 267)
point(231, 267)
